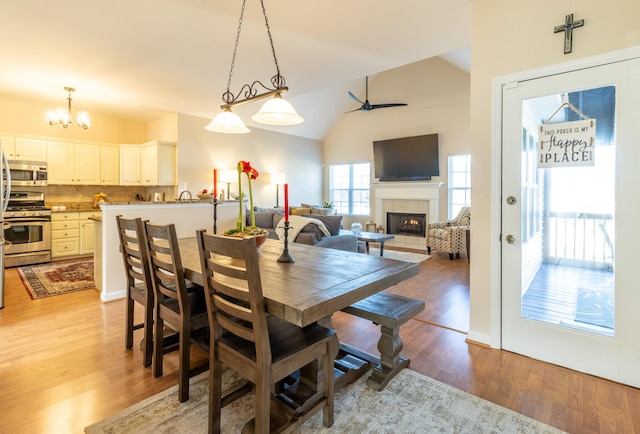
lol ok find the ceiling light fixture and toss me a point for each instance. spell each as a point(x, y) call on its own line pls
point(276, 111)
point(63, 117)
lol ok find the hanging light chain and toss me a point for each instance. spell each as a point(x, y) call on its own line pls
point(228, 97)
point(250, 92)
point(277, 80)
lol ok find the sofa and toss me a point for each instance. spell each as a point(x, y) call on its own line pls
point(311, 234)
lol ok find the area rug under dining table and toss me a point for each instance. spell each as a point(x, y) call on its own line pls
point(411, 403)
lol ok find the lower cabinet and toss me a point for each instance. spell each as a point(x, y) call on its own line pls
point(86, 231)
point(72, 233)
point(65, 234)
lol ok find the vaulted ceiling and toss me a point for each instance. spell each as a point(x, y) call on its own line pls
point(143, 59)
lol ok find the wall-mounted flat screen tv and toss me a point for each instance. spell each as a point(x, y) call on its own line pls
point(406, 159)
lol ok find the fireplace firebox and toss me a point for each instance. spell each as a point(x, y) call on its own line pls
point(407, 224)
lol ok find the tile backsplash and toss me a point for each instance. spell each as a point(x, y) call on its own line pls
point(81, 196)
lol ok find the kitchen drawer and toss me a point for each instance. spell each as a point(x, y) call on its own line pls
point(65, 246)
point(65, 233)
point(62, 216)
point(65, 225)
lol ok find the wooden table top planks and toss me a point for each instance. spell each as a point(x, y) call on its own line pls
point(320, 282)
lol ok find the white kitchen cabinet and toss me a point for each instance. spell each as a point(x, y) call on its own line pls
point(87, 164)
point(20, 148)
point(109, 165)
point(152, 163)
point(130, 165)
point(87, 237)
point(65, 234)
point(71, 163)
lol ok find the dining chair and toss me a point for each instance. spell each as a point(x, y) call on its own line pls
point(139, 288)
point(179, 304)
point(261, 347)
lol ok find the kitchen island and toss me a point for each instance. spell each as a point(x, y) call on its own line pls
point(187, 216)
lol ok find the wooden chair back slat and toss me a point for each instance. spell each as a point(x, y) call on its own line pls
point(139, 288)
point(235, 296)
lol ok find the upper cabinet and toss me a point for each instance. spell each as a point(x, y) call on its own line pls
point(109, 165)
point(152, 163)
point(71, 163)
point(19, 148)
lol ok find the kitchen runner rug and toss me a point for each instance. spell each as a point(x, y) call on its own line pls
point(411, 403)
point(55, 278)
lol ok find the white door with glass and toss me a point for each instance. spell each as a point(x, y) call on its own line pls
point(570, 220)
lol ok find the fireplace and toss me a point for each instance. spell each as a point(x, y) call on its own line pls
point(408, 224)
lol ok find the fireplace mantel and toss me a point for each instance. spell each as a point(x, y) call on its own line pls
point(429, 191)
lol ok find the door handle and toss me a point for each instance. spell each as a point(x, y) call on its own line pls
point(510, 239)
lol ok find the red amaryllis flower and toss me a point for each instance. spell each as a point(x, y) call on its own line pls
point(250, 171)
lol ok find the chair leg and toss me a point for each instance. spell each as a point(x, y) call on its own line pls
point(129, 322)
point(148, 336)
point(158, 344)
point(184, 363)
point(263, 405)
point(451, 256)
point(428, 250)
point(215, 393)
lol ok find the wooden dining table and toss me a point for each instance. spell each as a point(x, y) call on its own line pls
point(320, 282)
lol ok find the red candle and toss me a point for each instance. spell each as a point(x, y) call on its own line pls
point(215, 183)
point(286, 202)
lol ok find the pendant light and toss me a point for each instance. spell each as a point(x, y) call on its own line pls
point(275, 111)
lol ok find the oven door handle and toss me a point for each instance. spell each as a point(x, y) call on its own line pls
point(25, 220)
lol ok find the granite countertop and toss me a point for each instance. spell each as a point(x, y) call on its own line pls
point(143, 202)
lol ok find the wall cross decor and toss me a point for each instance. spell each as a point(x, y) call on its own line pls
point(567, 28)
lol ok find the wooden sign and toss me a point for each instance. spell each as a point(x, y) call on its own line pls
point(567, 144)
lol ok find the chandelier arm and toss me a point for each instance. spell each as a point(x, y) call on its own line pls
point(254, 97)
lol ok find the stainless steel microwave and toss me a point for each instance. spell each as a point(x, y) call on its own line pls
point(25, 173)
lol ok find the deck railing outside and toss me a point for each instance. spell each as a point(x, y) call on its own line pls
point(580, 239)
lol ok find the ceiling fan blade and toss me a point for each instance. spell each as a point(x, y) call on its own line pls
point(376, 106)
point(355, 110)
point(355, 98)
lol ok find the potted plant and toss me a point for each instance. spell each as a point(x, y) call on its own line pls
point(329, 206)
point(241, 230)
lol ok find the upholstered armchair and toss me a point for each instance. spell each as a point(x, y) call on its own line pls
point(450, 236)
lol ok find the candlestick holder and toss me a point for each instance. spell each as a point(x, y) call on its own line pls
point(215, 215)
point(286, 256)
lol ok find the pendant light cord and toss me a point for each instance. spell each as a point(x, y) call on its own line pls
point(277, 80)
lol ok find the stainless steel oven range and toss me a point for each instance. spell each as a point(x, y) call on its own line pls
point(27, 229)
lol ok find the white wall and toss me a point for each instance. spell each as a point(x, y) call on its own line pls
point(437, 94)
point(508, 37)
point(200, 151)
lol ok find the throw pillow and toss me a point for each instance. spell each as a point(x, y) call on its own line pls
point(299, 211)
point(321, 211)
point(332, 222)
point(264, 220)
point(276, 219)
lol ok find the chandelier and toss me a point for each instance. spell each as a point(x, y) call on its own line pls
point(275, 111)
point(63, 117)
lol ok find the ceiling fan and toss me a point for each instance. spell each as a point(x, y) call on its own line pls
point(366, 105)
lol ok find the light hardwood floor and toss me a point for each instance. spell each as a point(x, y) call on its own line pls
point(63, 364)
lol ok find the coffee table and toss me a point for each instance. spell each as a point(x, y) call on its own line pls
point(373, 237)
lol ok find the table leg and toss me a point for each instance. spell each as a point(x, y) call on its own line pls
point(381, 247)
point(367, 246)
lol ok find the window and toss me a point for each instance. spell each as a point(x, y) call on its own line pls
point(349, 186)
point(459, 183)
